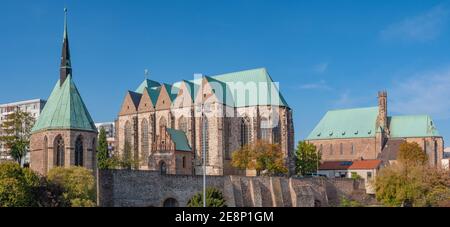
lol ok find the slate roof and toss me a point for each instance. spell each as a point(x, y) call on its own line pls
point(65, 109)
point(180, 140)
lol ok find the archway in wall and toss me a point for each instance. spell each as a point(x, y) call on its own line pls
point(170, 202)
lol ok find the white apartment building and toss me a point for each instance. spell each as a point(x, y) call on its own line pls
point(34, 107)
point(110, 134)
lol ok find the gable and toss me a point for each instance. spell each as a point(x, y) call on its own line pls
point(184, 97)
point(164, 101)
point(146, 104)
point(130, 104)
point(205, 93)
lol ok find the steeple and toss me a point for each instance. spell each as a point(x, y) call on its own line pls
point(66, 66)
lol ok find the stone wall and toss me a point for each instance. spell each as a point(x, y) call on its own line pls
point(362, 147)
point(127, 188)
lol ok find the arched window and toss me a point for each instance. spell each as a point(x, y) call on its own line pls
point(276, 135)
point(435, 153)
point(144, 139)
point(45, 158)
point(265, 129)
point(182, 125)
point(353, 149)
point(184, 162)
point(331, 149)
point(245, 131)
point(227, 139)
point(162, 125)
point(341, 149)
point(58, 147)
point(170, 202)
point(94, 151)
point(163, 168)
point(128, 133)
point(205, 139)
point(79, 151)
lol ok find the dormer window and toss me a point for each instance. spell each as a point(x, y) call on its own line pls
point(356, 133)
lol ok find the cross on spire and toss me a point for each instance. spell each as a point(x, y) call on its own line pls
point(66, 65)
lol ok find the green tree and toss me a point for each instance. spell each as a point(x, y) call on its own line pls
point(411, 181)
point(410, 154)
point(18, 186)
point(260, 156)
point(104, 161)
point(214, 198)
point(16, 133)
point(307, 158)
point(78, 184)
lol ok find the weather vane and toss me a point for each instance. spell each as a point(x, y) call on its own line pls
point(146, 73)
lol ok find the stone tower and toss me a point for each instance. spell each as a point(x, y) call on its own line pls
point(382, 120)
point(65, 134)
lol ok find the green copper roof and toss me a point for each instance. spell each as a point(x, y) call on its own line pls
point(258, 76)
point(65, 110)
point(268, 94)
point(147, 84)
point(172, 91)
point(180, 140)
point(347, 123)
point(154, 94)
point(412, 126)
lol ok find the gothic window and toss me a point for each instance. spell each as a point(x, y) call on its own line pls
point(45, 153)
point(184, 162)
point(276, 135)
point(353, 149)
point(435, 153)
point(341, 149)
point(163, 168)
point(59, 151)
point(265, 130)
point(245, 131)
point(227, 138)
point(79, 151)
point(205, 139)
point(172, 121)
point(128, 133)
point(144, 139)
point(94, 151)
point(331, 149)
point(182, 125)
point(162, 125)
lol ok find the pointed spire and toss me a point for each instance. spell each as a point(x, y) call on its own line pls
point(66, 66)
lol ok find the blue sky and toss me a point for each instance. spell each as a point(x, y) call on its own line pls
point(325, 54)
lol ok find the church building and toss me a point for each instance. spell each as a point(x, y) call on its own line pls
point(370, 134)
point(175, 128)
point(65, 134)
